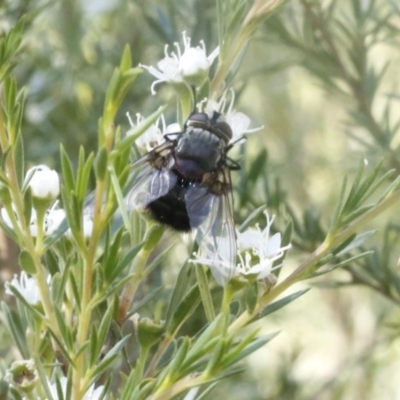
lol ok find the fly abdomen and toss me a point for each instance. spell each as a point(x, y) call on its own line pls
point(170, 210)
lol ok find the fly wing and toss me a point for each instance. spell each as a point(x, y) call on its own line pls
point(150, 179)
point(150, 186)
point(211, 213)
point(153, 179)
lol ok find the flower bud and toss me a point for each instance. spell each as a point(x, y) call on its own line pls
point(148, 332)
point(22, 375)
point(44, 183)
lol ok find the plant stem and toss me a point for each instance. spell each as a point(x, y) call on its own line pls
point(85, 314)
point(140, 363)
point(152, 237)
point(185, 383)
point(162, 348)
point(225, 308)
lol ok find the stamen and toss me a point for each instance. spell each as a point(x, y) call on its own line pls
point(176, 44)
point(232, 101)
point(153, 92)
point(130, 119)
point(166, 51)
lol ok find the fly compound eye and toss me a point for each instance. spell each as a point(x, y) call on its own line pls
point(225, 128)
point(195, 118)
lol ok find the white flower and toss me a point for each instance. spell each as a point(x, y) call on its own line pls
point(238, 121)
point(6, 217)
point(190, 66)
point(266, 250)
point(154, 135)
point(54, 218)
point(44, 182)
point(91, 394)
point(26, 286)
point(32, 224)
point(87, 226)
point(192, 393)
point(215, 252)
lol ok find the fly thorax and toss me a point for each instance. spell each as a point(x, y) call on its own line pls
point(197, 152)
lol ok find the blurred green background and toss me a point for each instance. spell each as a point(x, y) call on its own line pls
point(340, 340)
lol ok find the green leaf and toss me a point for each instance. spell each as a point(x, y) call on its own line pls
point(43, 378)
point(57, 289)
point(76, 292)
point(184, 310)
point(101, 163)
point(17, 329)
point(103, 330)
point(158, 259)
point(10, 232)
point(28, 206)
point(251, 296)
point(26, 262)
point(112, 250)
point(52, 262)
point(205, 293)
point(353, 242)
point(113, 271)
point(206, 392)
point(9, 98)
point(341, 264)
point(64, 330)
point(93, 346)
point(251, 348)
point(250, 220)
point(279, 304)
point(9, 45)
point(126, 60)
point(120, 200)
point(211, 331)
point(179, 290)
point(83, 174)
point(176, 363)
point(134, 133)
point(19, 159)
point(108, 359)
point(145, 300)
point(68, 174)
point(258, 166)
point(214, 363)
point(339, 208)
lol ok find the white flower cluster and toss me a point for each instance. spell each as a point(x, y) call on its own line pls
point(44, 184)
point(257, 252)
point(265, 248)
point(189, 66)
point(154, 135)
